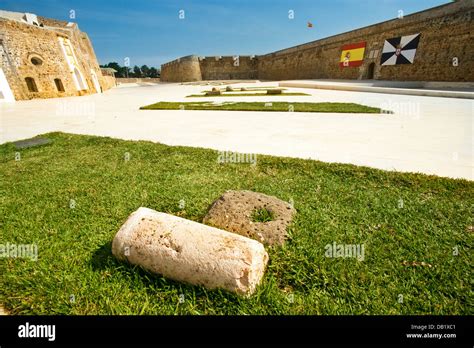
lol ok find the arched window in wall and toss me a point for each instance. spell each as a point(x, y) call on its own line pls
point(80, 80)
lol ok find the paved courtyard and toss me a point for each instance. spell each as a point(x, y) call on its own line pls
point(431, 135)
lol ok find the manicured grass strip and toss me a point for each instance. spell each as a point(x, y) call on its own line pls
point(262, 106)
point(233, 94)
point(405, 222)
point(239, 89)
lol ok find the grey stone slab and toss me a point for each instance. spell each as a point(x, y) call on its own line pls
point(24, 144)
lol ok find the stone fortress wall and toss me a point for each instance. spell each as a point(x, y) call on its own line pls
point(194, 68)
point(47, 58)
point(121, 80)
point(108, 82)
point(182, 69)
point(445, 53)
point(229, 68)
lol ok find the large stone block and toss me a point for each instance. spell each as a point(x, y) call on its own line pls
point(190, 252)
point(235, 212)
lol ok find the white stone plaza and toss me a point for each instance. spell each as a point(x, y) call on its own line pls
point(432, 135)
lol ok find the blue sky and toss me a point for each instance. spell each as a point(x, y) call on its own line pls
point(151, 32)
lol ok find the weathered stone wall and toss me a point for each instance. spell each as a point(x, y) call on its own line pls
point(194, 68)
point(20, 42)
point(108, 82)
point(446, 33)
point(51, 22)
point(229, 68)
point(86, 57)
point(138, 80)
point(181, 70)
point(89, 59)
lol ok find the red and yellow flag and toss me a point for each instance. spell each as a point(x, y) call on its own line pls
point(352, 55)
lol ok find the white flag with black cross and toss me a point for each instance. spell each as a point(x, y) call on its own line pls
point(400, 50)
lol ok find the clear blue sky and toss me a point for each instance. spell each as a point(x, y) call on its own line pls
point(150, 31)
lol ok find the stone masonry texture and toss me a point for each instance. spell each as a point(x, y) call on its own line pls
point(21, 42)
point(446, 34)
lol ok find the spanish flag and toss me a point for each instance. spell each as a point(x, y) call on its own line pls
point(352, 55)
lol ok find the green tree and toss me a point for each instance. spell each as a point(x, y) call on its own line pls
point(153, 72)
point(145, 71)
point(136, 71)
point(123, 71)
point(113, 65)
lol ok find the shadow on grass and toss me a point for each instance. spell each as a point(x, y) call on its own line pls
point(103, 259)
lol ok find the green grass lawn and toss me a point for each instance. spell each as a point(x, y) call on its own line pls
point(239, 89)
point(233, 94)
point(335, 203)
point(264, 106)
